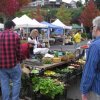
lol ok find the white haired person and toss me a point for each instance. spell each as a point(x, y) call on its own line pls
point(90, 83)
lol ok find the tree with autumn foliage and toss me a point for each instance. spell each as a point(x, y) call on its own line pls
point(89, 13)
point(37, 14)
point(9, 7)
point(23, 2)
point(39, 17)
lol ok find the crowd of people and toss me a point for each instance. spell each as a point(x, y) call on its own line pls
point(11, 53)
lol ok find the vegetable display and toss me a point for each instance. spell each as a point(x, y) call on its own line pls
point(47, 86)
point(47, 60)
point(48, 80)
point(49, 73)
point(64, 70)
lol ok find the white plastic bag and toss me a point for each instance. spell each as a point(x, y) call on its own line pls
point(40, 50)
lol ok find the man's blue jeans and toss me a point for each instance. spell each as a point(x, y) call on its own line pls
point(11, 75)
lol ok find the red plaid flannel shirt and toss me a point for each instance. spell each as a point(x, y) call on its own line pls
point(9, 49)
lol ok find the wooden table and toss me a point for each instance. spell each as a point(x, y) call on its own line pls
point(48, 66)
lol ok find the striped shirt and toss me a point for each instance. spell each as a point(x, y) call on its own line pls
point(91, 73)
point(9, 49)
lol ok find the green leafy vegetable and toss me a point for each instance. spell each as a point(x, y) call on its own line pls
point(47, 86)
point(64, 70)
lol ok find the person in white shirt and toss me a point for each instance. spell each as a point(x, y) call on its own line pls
point(36, 46)
point(33, 39)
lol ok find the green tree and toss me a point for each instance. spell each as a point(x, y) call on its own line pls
point(79, 4)
point(64, 14)
point(20, 13)
point(51, 15)
point(97, 3)
point(76, 14)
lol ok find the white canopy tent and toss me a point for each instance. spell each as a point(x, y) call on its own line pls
point(1, 25)
point(37, 24)
point(59, 23)
point(15, 19)
point(27, 22)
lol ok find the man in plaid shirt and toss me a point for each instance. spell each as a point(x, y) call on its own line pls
point(10, 58)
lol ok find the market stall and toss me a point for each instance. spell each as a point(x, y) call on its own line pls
point(60, 24)
point(26, 22)
point(49, 77)
point(50, 26)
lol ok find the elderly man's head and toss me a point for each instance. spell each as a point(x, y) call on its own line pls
point(96, 27)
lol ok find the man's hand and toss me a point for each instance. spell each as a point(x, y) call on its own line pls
point(84, 97)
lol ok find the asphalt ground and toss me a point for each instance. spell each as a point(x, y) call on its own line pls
point(66, 47)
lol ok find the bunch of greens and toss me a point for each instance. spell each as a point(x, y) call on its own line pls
point(47, 86)
point(67, 70)
point(64, 70)
point(56, 53)
point(47, 60)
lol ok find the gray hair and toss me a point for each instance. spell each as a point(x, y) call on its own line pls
point(96, 22)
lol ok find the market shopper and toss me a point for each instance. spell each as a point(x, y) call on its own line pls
point(10, 70)
point(77, 39)
point(90, 83)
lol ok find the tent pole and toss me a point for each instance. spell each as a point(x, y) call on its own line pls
point(27, 31)
point(64, 37)
point(86, 34)
point(48, 37)
point(82, 26)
